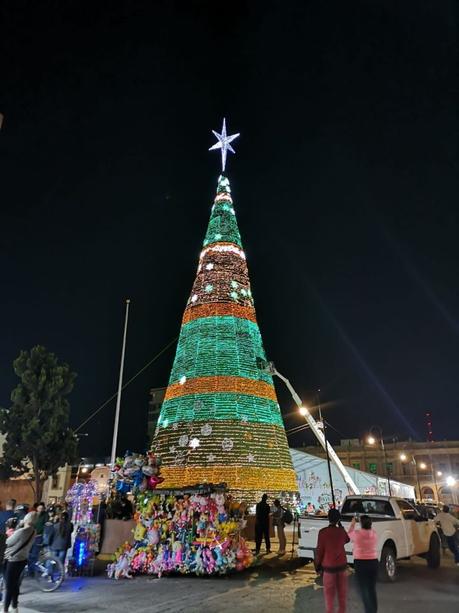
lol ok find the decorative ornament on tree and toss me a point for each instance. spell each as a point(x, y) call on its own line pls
point(227, 444)
point(206, 430)
point(183, 440)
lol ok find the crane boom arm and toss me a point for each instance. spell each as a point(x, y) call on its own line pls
point(319, 434)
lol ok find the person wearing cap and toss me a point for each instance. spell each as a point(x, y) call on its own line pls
point(331, 561)
point(262, 524)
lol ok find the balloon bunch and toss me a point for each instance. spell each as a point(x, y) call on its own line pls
point(188, 533)
point(136, 473)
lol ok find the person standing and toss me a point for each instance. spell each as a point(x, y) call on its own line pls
point(40, 520)
point(278, 521)
point(5, 515)
point(61, 537)
point(17, 550)
point(366, 562)
point(331, 561)
point(448, 523)
point(262, 524)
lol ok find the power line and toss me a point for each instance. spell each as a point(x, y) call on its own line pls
point(126, 384)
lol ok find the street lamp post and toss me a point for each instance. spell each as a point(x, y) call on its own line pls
point(371, 440)
point(326, 451)
point(403, 458)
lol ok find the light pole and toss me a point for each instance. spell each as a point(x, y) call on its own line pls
point(326, 450)
point(403, 458)
point(371, 441)
point(120, 387)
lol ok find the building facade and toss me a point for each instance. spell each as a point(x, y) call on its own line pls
point(432, 468)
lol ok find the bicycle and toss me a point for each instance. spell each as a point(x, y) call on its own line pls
point(48, 572)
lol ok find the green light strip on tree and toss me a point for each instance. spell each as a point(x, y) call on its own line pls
point(237, 407)
point(211, 346)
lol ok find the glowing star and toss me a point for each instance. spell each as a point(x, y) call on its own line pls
point(194, 443)
point(172, 449)
point(244, 419)
point(223, 143)
point(250, 458)
point(182, 380)
point(211, 457)
point(175, 426)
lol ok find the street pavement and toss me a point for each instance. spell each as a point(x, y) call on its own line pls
point(276, 584)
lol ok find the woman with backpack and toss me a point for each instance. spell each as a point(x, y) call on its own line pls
point(278, 521)
point(61, 537)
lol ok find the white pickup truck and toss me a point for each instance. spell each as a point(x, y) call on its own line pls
point(402, 532)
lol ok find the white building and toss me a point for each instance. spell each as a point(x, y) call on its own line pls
point(314, 482)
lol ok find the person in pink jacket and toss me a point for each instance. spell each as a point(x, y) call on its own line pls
point(366, 564)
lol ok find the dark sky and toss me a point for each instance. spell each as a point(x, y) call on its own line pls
point(344, 186)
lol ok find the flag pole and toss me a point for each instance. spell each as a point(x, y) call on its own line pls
point(120, 386)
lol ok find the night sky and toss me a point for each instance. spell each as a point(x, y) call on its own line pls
point(343, 183)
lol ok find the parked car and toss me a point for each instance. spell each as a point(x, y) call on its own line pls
point(402, 532)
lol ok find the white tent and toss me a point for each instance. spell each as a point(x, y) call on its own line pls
point(314, 482)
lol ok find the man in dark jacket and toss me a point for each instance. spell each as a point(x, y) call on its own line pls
point(262, 525)
point(331, 561)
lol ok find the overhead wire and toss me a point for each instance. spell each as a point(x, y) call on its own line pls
point(104, 404)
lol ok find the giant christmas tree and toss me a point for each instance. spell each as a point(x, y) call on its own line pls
point(220, 420)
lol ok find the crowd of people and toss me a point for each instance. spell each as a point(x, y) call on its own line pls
point(331, 561)
point(24, 533)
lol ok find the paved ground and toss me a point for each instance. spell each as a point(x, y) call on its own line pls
point(276, 585)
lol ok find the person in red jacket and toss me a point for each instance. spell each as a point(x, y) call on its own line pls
point(331, 561)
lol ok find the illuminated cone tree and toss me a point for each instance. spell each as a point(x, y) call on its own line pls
point(220, 420)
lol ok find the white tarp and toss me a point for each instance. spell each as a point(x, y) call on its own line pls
point(314, 482)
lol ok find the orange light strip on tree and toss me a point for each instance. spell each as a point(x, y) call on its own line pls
point(212, 385)
point(244, 478)
point(218, 309)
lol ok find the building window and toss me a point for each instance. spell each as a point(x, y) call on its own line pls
point(55, 483)
point(372, 468)
point(390, 468)
point(356, 465)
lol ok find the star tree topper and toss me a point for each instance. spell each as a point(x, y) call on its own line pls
point(223, 143)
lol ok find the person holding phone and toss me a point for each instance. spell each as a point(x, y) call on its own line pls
point(332, 562)
point(366, 564)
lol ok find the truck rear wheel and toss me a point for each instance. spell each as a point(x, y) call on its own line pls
point(388, 564)
point(433, 556)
